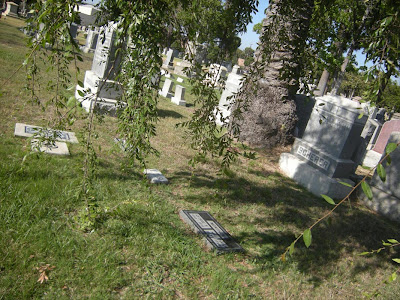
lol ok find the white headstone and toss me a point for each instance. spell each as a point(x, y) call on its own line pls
point(179, 96)
point(179, 79)
point(167, 88)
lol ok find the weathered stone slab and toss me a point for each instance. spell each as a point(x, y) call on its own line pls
point(215, 235)
point(179, 79)
point(25, 130)
point(155, 176)
point(56, 148)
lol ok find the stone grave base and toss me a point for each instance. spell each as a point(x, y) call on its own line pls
point(178, 101)
point(371, 158)
point(103, 105)
point(312, 179)
point(56, 148)
point(383, 203)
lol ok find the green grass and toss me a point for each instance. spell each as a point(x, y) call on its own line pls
point(141, 249)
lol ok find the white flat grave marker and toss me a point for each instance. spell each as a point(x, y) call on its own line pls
point(56, 148)
point(155, 176)
point(215, 235)
point(25, 130)
point(179, 79)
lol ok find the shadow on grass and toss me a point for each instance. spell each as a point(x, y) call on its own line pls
point(284, 210)
point(165, 113)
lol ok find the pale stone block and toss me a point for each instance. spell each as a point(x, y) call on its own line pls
point(155, 176)
point(312, 179)
point(179, 79)
point(55, 148)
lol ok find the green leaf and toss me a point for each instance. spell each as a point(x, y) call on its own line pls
point(291, 248)
point(361, 115)
point(345, 183)
point(392, 277)
point(390, 147)
point(80, 83)
point(393, 241)
point(366, 189)
point(397, 260)
point(364, 253)
point(307, 237)
point(328, 199)
point(82, 94)
point(381, 172)
point(79, 58)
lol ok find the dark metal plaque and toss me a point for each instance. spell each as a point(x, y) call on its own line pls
point(216, 236)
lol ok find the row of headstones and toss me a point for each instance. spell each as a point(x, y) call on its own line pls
point(179, 97)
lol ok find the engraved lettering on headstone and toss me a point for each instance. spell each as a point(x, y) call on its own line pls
point(203, 224)
point(217, 229)
point(313, 157)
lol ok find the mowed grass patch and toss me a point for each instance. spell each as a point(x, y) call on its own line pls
point(140, 248)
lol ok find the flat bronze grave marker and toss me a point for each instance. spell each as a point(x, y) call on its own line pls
point(215, 235)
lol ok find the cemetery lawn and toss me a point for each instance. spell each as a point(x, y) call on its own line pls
point(140, 248)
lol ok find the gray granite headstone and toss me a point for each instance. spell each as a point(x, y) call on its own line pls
point(328, 149)
point(216, 236)
point(386, 195)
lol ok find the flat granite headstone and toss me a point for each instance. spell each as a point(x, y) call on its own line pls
point(155, 176)
point(25, 130)
point(215, 235)
point(56, 148)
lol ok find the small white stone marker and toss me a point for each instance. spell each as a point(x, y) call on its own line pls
point(25, 130)
point(155, 176)
point(56, 148)
point(167, 88)
point(179, 79)
point(179, 96)
point(167, 75)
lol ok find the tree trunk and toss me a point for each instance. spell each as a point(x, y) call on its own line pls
point(270, 117)
point(323, 82)
point(340, 76)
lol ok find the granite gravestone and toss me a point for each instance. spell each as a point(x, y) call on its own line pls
point(215, 235)
point(328, 148)
point(100, 80)
point(232, 86)
point(73, 30)
point(179, 96)
point(386, 195)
